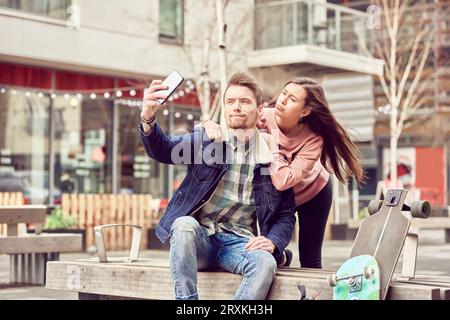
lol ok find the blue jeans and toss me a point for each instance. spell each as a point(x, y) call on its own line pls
point(191, 249)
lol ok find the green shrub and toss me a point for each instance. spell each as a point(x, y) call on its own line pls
point(58, 220)
point(363, 213)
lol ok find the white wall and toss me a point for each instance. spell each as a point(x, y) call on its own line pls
point(120, 37)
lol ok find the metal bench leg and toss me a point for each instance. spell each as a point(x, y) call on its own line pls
point(447, 235)
point(27, 268)
point(13, 268)
point(88, 296)
point(410, 255)
point(39, 272)
point(21, 271)
point(30, 268)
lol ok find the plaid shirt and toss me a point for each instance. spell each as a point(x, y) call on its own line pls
point(232, 206)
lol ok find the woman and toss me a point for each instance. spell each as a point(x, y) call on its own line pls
point(312, 145)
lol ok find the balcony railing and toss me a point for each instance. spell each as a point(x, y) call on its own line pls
point(296, 22)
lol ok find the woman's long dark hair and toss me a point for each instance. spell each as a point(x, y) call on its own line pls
point(338, 148)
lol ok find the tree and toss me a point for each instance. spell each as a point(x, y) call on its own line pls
point(404, 42)
point(214, 20)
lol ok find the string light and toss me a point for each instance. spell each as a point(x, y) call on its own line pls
point(177, 115)
point(190, 117)
point(383, 110)
point(110, 94)
point(166, 112)
point(74, 102)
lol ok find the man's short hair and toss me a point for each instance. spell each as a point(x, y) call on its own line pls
point(243, 79)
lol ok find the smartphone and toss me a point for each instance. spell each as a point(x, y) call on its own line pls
point(172, 82)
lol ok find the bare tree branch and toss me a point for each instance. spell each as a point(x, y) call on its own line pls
point(387, 17)
point(385, 87)
point(406, 115)
point(418, 74)
point(382, 54)
point(215, 108)
point(412, 56)
point(405, 51)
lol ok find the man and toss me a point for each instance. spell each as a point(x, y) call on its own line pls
point(226, 199)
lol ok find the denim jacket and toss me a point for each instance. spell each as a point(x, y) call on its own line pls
point(206, 161)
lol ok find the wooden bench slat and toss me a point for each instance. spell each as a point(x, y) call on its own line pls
point(42, 243)
point(22, 214)
point(431, 223)
point(147, 282)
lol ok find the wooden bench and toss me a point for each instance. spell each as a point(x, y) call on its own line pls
point(151, 279)
point(435, 223)
point(29, 253)
point(119, 278)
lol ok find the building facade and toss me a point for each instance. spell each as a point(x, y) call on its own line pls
point(72, 74)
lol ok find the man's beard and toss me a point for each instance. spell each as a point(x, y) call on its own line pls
point(243, 124)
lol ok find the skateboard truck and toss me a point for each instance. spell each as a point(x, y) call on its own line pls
point(354, 281)
point(100, 243)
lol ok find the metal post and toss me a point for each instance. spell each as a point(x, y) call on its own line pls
point(51, 146)
point(310, 20)
point(115, 148)
point(355, 199)
point(294, 24)
point(338, 27)
point(171, 168)
point(336, 200)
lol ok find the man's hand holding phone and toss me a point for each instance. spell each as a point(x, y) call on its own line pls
point(156, 95)
point(151, 96)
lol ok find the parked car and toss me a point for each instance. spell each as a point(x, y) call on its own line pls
point(11, 182)
point(21, 182)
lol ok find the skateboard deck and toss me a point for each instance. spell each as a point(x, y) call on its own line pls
point(382, 236)
point(357, 279)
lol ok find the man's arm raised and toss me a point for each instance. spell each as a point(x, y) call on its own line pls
point(159, 146)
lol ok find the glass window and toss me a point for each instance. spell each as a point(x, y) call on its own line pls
point(137, 172)
point(83, 145)
point(171, 20)
point(24, 145)
point(140, 174)
point(51, 8)
point(182, 123)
